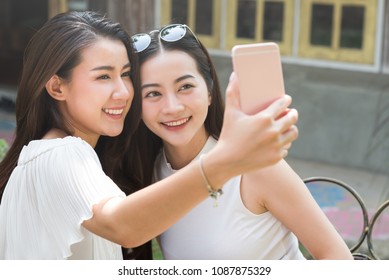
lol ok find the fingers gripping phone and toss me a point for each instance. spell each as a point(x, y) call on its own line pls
point(259, 71)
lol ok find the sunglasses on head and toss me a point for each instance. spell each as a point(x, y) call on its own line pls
point(170, 33)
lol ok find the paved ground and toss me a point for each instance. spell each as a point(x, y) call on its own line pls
point(342, 208)
point(372, 187)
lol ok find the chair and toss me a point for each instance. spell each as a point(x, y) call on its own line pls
point(378, 233)
point(345, 208)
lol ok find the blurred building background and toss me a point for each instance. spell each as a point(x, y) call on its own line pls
point(335, 57)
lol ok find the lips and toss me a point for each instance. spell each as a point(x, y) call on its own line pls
point(177, 122)
point(113, 112)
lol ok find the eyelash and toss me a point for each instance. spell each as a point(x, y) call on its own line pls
point(106, 77)
point(156, 93)
point(152, 94)
point(127, 74)
point(103, 77)
point(186, 86)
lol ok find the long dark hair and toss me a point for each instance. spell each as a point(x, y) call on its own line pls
point(146, 142)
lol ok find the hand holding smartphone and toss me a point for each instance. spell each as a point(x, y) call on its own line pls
point(260, 78)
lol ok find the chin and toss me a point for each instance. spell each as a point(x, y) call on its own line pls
point(113, 133)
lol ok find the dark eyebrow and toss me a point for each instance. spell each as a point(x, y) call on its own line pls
point(149, 85)
point(128, 65)
point(183, 78)
point(110, 68)
point(176, 81)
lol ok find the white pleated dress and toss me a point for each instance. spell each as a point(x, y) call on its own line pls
point(49, 194)
point(228, 231)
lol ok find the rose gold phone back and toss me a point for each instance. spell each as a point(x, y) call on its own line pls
point(259, 71)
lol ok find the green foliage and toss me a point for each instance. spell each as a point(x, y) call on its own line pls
point(3, 148)
point(157, 253)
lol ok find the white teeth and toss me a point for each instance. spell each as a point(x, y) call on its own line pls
point(177, 123)
point(113, 112)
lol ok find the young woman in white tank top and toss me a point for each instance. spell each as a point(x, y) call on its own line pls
point(182, 112)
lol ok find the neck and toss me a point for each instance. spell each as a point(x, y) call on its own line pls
point(54, 133)
point(180, 156)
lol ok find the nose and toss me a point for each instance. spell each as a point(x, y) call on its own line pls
point(123, 90)
point(173, 104)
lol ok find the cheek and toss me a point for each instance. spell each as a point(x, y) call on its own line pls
point(147, 114)
point(151, 122)
point(130, 87)
point(201, 105)
point(131, 92)
point(205, 111)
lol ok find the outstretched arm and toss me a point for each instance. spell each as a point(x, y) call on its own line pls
point(284, 194)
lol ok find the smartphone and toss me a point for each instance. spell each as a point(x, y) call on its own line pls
point(259, 71)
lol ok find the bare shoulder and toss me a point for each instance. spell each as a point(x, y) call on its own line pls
point(277, 175)
point(264, 186)
point(258, 185)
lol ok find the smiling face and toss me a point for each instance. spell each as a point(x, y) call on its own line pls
point(175, 100)
point(99, 94)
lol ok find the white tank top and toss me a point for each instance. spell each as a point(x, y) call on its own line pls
point(228, 231)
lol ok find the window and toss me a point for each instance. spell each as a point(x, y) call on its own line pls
point(328, 30)
point(351, 28)
point(253, 21)
point(204, 12)
point(179, 11)
point(273, 21)
point(246, 19)
point(321, 25)
point(202, 16)
point(341, 30)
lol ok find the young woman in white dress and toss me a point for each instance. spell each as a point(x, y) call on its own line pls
point(260, 214)
point(80, 86)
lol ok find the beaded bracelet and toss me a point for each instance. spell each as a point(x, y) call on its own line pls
point(212, 193)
